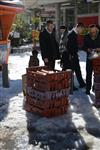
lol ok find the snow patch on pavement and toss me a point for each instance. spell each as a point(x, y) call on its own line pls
point(79, 128)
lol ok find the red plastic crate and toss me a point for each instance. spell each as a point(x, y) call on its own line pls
point(43, 80)
point(35, 68)
point(96, 61)
point(44, 75)
point(27, 107)
point(47, 94)
point(51, 86)
point(97, 86)
point(96, 69)
point(46, 113)
point(96, 65)
point(97, 103)
point(47, 108)
point(55, 112)
point(97, 94)
point(47, 104)
point(97, 78)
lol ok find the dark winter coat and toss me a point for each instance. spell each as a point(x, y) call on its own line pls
point(63, 42)
point(48, 45)
point(90, 43)
point(72, 43)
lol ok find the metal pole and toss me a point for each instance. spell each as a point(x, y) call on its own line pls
point(5, 79)
point(57, 20)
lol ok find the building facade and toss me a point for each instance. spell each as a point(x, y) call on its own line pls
point(69, 11)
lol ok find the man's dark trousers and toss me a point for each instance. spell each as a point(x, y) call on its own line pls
point(50, 64)
point(76, 68)
point(89, 69)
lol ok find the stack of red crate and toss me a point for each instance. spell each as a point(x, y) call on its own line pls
point(96, 68)
point(47, 91)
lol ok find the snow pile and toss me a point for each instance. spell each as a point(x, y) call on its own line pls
point(78, 129)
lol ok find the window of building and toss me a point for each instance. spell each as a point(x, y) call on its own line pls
point(87, 8)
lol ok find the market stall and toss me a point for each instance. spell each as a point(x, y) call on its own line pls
point(8, 11)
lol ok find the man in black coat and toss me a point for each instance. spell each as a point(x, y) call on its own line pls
point(49, 46)
point(72, 48)
point(91, 42)
point(63, 47)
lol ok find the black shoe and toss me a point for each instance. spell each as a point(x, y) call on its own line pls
point(93, 88)
point(87, 92)
point(75, 88)
point(82, 85)
point(96, 105)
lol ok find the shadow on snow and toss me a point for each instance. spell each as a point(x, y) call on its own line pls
point(57, 133)
point(88, 112)
point(6, 94)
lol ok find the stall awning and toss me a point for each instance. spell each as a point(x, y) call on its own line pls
point(7, 6)
point(43, 2)
point(37, 3)
point(8, 10)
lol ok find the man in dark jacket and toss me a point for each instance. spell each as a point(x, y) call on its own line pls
point(91, 42)
point(49, 46)
point(72, 47)
point(63, 47)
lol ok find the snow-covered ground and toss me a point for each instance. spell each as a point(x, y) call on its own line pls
point(79, 129)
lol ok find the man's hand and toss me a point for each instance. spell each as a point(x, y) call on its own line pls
point(89, 50)
point(97, 49)
point(46, 60)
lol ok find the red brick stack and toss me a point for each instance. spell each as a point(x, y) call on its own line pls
point(47, 91)
point(96, 68)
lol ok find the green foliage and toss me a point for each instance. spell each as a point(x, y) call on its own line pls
point(85, 31)
point(22, 26)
